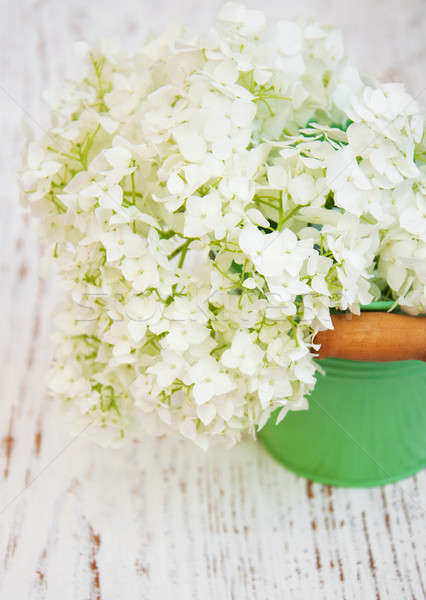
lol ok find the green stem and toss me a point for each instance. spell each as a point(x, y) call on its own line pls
point(266, 203)
point(288, 216)
point(133, 193)
point(179, 249)
point(222, 273)
point(219, 348)
point(84, 151)
point(368, 220)
point(64, 154)
point(281, 209)
point(271, 112)
point(59, 205)
point(132, 182)
point(183, 253)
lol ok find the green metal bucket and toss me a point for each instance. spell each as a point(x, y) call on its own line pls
point(365, 426)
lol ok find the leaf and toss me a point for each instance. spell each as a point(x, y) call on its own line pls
point(236, 268)
point(329, 201)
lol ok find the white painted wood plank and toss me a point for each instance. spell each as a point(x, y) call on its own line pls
point(162, 519)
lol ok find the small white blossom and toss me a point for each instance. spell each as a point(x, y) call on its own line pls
point(122, 242)
point(244, 354)
point(202, 214)
point(208, 380)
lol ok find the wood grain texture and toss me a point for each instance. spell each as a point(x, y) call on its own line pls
point(374, 336)
point(162, 519)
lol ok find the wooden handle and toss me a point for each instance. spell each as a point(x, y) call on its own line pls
point(374, 336)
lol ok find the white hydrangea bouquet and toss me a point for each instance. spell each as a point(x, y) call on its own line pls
point(209, 199)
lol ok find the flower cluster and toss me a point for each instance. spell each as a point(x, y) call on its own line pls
point(208, 200)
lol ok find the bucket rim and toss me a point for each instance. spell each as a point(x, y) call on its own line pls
point(380, 306)
point(342, 368)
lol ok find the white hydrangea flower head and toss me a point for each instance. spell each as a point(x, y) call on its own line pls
point(208, 200)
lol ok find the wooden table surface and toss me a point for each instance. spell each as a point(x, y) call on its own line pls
point(162, 519)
